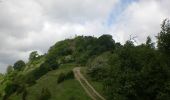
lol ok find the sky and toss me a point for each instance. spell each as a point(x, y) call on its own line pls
point(29, 25)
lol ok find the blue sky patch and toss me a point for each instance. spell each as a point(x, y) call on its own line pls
point(117, 10)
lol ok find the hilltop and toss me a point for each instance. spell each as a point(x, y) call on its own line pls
point(41, 72)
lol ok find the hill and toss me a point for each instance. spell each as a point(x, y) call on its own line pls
point(28, 80)
point(68, 90)
point(116, 71)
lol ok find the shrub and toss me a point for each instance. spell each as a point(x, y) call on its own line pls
point(10, 89)
point(69, 75)
point(61, 78)
point(45, 94)
point(98, 67)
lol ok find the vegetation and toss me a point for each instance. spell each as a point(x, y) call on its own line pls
point(62, 76)
point(120, 72)
point(19, 65)
point(63, 91)
point(9, 69)
point(45, 94)
point(164, 38)
point(136, 72)
point(33, 56)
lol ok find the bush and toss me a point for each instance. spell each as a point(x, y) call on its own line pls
point(62, 77)
point(45, 94)
point(98, 67)
point(10, 89)
point(69, 75)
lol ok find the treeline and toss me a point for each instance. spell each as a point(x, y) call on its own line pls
point(139, 72)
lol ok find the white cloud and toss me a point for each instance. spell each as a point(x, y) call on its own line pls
point(27, 25)
point(77, 11)
point(142, 19)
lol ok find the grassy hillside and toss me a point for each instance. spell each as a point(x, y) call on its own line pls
point(67, 90)
point(39, 76)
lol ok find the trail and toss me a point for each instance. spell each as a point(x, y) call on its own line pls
point(86, 85)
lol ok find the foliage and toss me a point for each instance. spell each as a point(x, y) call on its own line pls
point(19, 65)
point(59, 49)
point(37, 73)
point(149, 43)
point(9, 69)
point(33, 55)
point(88, 46)
point(61, 78)
point(70, 75)
point(98, 67)
point(65, 76)
point(10, 89)
point(164, 37)
point(106, 43)
point(45, 94)
point(136, 73)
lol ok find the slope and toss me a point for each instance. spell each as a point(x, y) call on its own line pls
point(67, 90)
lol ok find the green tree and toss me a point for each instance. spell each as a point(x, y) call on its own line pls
point(164, 37)
point(149, 42)
point(33, 55)
point(106, 42)
point(19, 65)
point(9, 69)
point(137, 73)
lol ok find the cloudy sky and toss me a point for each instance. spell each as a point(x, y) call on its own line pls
point(27, 25)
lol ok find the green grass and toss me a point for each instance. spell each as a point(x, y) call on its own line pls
point(97, 85)
point(67, 90)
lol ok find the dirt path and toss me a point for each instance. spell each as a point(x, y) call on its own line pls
point(86, 85)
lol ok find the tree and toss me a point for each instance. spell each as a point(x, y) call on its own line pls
point(98, 67)
point(9, 69)
point(106, 42)
point(149, 42)
point(137, 73)
point(164, 38)
point(33, 55)
point(128, 44)
point(19, 65)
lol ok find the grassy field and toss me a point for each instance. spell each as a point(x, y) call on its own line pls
point(67, 90)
